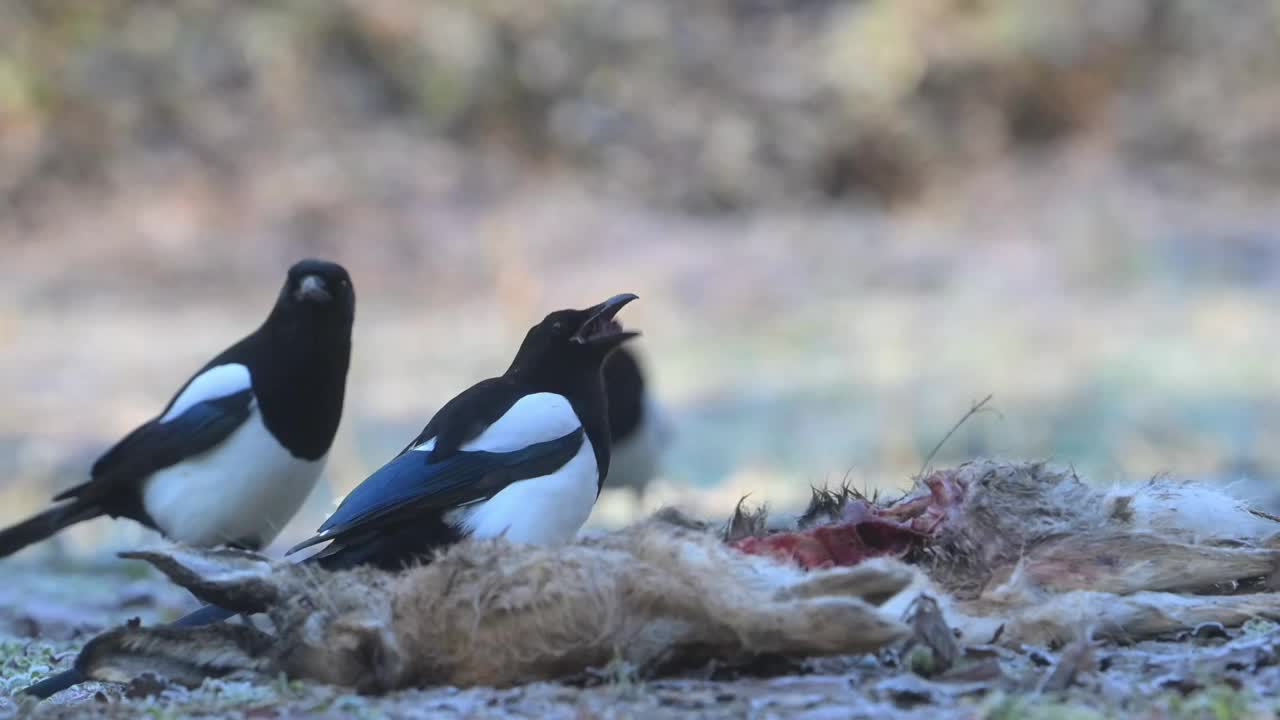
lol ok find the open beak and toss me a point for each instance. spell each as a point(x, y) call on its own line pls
point(312, 288)
point(600, 327)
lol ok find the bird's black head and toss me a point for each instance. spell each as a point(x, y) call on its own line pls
point(318, 289)
point(569, 345)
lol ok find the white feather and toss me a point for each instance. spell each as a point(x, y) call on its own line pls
point(546, 510)
point(532, 419)
point(244, 489)
point(216, 382)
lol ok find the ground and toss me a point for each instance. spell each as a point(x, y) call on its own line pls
point(1208, 674)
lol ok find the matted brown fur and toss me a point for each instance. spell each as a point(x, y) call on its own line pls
point(1014, 553)
point(496, 613)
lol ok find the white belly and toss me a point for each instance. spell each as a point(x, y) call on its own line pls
point(546, 510)
point(244, 490)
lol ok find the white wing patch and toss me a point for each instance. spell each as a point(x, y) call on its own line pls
point(532, 419)
point(216, 382)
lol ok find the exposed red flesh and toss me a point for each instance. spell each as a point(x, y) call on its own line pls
point(864, 530)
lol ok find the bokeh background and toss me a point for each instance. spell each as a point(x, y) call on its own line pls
point(847, 221)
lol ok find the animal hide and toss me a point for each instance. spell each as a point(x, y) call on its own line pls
point(1034, 555)
point(1014, 553)
point(496, 613)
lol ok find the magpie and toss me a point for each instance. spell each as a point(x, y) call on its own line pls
point(639, 425)
point(237, 450)
point(523, 456)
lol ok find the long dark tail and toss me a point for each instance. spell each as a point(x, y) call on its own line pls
point(206, 615)
point(46, 524)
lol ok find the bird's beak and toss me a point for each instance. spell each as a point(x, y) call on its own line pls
point(600, 327)
point(312, 288)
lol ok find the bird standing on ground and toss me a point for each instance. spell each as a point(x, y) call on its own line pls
point(522, 455)
point(640, 426)
point(237, 450)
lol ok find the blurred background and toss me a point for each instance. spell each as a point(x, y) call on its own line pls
point(846, 221)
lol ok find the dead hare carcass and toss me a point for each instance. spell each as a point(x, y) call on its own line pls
point(496, 613)
point(1014, 553)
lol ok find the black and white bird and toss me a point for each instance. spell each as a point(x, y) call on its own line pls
point(237, 450)
point(522, 456)
point(640, 426)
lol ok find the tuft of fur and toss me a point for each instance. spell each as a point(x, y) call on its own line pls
point(826, 505)
point(496, 613)
point(745, 522)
